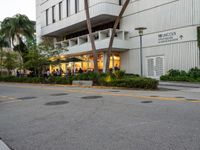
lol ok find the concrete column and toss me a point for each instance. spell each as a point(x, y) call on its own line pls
point(104, 61)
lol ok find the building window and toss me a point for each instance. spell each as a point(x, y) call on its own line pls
point(47, 17)
point(53, 14)
point(76, 6)
point(68, 7)
point(60, 10)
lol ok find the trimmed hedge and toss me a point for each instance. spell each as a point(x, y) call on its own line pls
point(50, 80)
point(116, 79)
point(136, 82)
point(193, 75)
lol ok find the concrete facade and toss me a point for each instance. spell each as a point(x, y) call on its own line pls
point(170, 41)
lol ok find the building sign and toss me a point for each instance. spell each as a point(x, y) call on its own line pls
point(169, 37)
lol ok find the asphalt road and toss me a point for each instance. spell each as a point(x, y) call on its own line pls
point(98, 119)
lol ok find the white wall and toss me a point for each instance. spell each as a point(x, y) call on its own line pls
point(97, 8)
point(159, 16)
point(162, 17)
point(181, 56)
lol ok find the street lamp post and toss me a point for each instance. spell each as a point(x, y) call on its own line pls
point(141, 32)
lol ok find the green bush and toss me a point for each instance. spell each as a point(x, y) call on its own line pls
point(136, 82)
point(59, 80)
point(117, 79)
point(50, 80)
point(193, 75)
point(173, 73)
point(119, 74)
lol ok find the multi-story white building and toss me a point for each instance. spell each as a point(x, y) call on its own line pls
point(170, 41)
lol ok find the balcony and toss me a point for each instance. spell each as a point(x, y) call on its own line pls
point(82, 44)
point(100, 13)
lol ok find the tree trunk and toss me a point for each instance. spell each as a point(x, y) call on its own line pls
point(117, 20)
point(1, 60)
point(91, 36)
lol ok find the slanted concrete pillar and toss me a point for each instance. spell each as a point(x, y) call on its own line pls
point(113, 61)
point(104, 61)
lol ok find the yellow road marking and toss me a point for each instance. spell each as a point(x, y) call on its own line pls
point(110, 93)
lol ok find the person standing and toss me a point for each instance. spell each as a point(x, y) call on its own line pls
point(48, 73)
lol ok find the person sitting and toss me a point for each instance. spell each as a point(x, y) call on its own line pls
point(116, 67)
point(54, 73)
point(80, 71)
point(18, 73)
point(48, 73)
point(58, 72)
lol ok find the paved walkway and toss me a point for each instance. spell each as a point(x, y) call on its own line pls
point(179, 86)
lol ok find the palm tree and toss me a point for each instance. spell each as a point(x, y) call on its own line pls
point(16, 28)
point(91, 36)
point(117, 20)
point(3, 43)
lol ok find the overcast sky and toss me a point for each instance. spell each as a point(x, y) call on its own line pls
point(9, 8)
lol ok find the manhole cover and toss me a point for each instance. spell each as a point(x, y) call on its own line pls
point(56, 103)
point(193, 100)
point(146, 102)
point(114, 91)
point(92, 97)
point(27, 98)
point(59, 94)
point(179, 97)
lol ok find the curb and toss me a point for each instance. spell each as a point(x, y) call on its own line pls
point(180, 84)
point(3, 146)
point(91, 87)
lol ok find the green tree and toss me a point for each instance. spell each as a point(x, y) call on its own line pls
point(10, 61)
point(18, 28)
point(46, 47)
point(3, 43)
point(37, 58)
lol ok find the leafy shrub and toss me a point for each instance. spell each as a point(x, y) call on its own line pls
point(59, 80)
point(119, 74)
point(193, 75)
point(174, 73)
point(119, 80)
point(137, 82)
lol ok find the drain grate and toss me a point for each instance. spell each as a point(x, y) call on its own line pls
point(59, 94)
point(193, 100)
point(146, 102)
point(56, 103)
point(179, 97)
point(92, 97)
point(154, 96)
point(114, 91)
point(27, 98)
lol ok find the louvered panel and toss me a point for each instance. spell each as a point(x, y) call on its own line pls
point(159, 66)
point(196, 12)
point(150, 63)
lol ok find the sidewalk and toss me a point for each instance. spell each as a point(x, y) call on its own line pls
point(178, 85)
